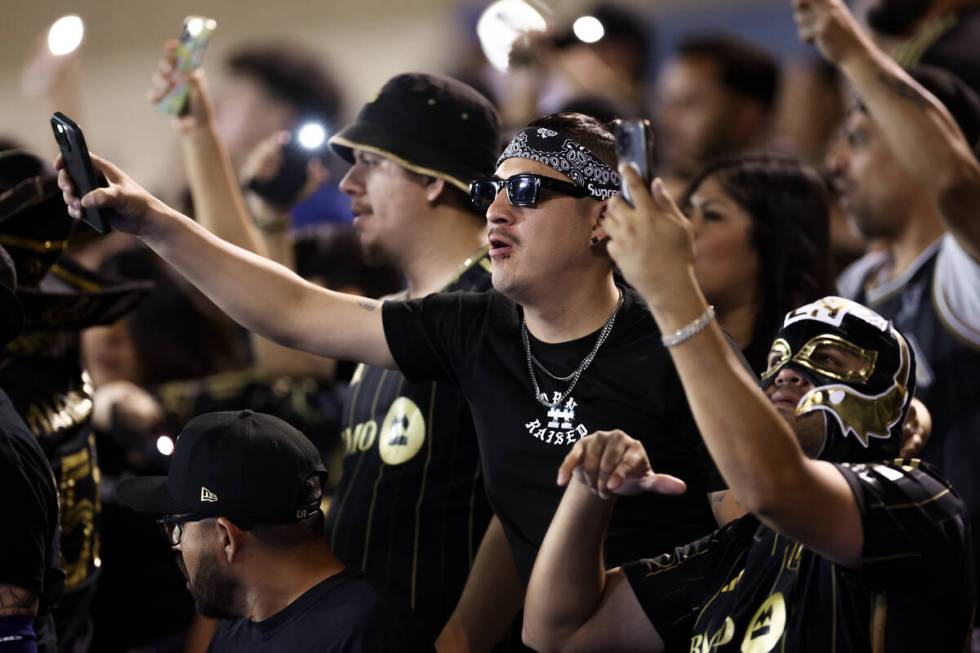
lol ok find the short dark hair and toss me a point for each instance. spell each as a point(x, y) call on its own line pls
point(586, 130)
point(292, 75)
point(743, 67)
point(336, 259)
point(788, 204)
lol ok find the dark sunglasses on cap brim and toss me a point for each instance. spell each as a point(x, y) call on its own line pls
point(522, 190)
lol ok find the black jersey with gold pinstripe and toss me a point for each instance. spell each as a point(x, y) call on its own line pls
point(746, 588)
point(410, 509)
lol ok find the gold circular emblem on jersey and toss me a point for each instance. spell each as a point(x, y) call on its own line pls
point(402, 432)
point(766, 627)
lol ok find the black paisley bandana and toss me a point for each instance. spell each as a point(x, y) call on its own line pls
point(566, 156)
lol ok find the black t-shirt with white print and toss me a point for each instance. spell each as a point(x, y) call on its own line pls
point(473, 340)
point(747, 588)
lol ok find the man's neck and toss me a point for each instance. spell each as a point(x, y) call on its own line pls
point(435, 258)
point(574, 312)
point(283, 578)
point(923, 229)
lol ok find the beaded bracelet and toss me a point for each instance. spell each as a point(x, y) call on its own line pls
point(691, 329)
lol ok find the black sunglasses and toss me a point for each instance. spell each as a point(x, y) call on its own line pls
point(522, 190)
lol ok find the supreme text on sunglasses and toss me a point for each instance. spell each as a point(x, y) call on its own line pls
point(522, 190)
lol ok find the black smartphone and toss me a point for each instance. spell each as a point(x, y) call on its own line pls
point(306, 142)
point(71, 142)
point(634, 146)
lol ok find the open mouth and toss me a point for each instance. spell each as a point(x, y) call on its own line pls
point(500, 247)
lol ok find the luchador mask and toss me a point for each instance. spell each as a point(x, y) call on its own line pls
point(862, 371)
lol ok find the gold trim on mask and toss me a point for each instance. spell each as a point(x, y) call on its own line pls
point(868, 357)
point(781, 347)
point(804, 358)
point(864, 416)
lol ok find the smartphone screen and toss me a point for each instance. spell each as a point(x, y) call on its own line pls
point(71, 142)
point(190, 53)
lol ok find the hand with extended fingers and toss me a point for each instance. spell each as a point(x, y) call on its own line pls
point(652, 242)
point(612, 463)
point(198, 112)
point(829, 25)
point(132, 204)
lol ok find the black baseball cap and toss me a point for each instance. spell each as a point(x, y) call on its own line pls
point(429, 124)
point(241, 465)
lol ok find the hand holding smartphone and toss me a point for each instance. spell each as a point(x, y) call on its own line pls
point(71, 142)
point(190, 53)
point(634, 147)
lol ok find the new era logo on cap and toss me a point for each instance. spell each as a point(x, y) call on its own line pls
point(208, 495)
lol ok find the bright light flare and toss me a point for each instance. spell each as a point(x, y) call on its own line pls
point(165, 445)
point(311, 136)
point(588, 29)
point(65, 35)
point(503, 24)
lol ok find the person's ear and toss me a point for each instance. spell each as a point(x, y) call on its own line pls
point(435, 189)
point(230, 538)
point(597, 217)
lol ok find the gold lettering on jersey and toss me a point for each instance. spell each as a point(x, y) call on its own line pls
point(705, 643)
point(78, 515)
point(793, 556)
point(402, 432)
point(362, 438)
point(766, 627)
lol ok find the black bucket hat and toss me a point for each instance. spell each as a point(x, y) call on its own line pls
point(431, 125)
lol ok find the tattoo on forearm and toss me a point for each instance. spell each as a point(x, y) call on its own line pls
point(904, 90)
point(368, 305)
point(17, 601)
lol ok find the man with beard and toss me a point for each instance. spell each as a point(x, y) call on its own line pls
point(941, 33)
point(909, 177)
point(846, 547)
point(411, 464)
point(241, 505)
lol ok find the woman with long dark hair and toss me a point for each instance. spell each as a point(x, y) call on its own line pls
point(761, 244)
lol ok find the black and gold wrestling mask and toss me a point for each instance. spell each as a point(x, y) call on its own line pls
point(862, 371)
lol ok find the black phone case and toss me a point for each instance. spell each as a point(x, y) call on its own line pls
point(71, 142)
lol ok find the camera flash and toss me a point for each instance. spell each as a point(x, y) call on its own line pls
point(65, 35)
point(588, 29)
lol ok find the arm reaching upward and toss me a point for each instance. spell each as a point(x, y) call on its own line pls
point(262, 296)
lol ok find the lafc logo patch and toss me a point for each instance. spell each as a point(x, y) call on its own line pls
point(208, 495)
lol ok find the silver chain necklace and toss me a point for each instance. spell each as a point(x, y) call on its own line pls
point(574, 376)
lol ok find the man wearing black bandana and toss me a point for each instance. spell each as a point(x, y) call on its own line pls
point(556, 351)
point(846, 549)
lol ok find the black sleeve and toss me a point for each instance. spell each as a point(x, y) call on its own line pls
point(914, 524)
point(24, 489)
point(671, 588)
point(432, 338)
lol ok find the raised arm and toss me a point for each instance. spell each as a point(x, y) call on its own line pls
point(755, 450)
point(917, 127)
point(218, 201)
point(573, 603)
point(262, 296)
